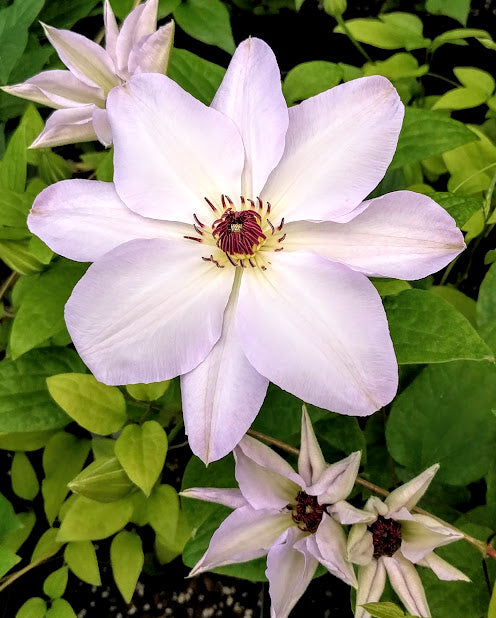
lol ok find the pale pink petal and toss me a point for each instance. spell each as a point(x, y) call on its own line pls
point(67, 126)
point(171, 151)
point(348, 514)
point(311, 462)
point(251, 95)
point(56, 89)
point(244, 535)
point(88, 61)
point(84, 219)
point(102, 126)
point(407, 585)
point(147, 311)
point(140, 22)
point(403, 234)
point(318, 330)
point(222, 396)
point(360, 547)
point(111, 30)
point(338, 147)
point(421, 536)
point(371, 582)
point(337, 481)
point(409, 494)
point(233, 498)
point(151, 54)
point(376, 505)
point(289, 572)
point(443, 569)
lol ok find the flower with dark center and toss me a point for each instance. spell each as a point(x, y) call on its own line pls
point(307, 513)
point(386, 536)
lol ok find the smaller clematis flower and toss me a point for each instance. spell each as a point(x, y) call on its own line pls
point(293, 518)
point(396, 541)
point(79, 95)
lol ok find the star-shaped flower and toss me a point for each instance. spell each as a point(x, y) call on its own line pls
point(234, 246)
point(79, 94)
point(293, 518)
point(394, 542)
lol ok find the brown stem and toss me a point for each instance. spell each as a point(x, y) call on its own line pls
point(9, 282)
point(485, 548)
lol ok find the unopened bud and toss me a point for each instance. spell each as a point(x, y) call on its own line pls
point(335, 7)
point(103, 480)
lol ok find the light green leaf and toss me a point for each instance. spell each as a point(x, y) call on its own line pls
point(390, 287)
point(441, 417)
point(310, 78)
point(197, 76)
point(141, 451)
point(8, 559)
point(148, 392)
point(167, 549)
point(14, 207)
point(475, 79)
point(8, 519)
point(47, 545)
point(63, 458)
point(127, 559)
point(35, 607)
point(384, 610)
point(458, 36)
point(460, 207)
point(23, 477)
point(460, 98)
point(81, 559)
point(486, 303)
point(425, 328)
point(208, 21)
point(88, 520)
point(103, 480)
point(163, 511)
point(15, 538)
point(26, 441)
point(95, 406)
point(397, 66)
point(19, 257)
point(55, 584)
point(492, 604)
point(60, 609)
point(457, 9)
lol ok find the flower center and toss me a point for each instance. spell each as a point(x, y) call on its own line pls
point(238, 234)
point(386, 536)
point(307, 513)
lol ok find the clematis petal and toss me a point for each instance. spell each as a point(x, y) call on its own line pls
point(421, 536)
point(443, 569)
point(360, 548)
point(377, 506)
point(56, 89)
point(111, 30)
point(407, 585)
point(409, 494)
point(244, 535)
point(348, 514)
point(171, 151)
point(311, 462)
point(371, 582)
point(67, 126)
point(151, 54)
point(102, 126)
point(84, 219)
point(251, 95)
point(338, 147)
point(401, 234)
point(337, 481)
point(85, 59)
point(325, 338)
point(289, 572)
point(233, 498)
point(265, 478)
point(139, 23)
point(328, 546)
point(222, 396)
point(147, 311)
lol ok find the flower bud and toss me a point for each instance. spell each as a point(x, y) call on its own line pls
point(103, 480)
point(335, 7)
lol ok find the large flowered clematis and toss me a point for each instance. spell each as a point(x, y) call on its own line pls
point(396, 541)
point(79, 94)
point(293, 518)
point(234, 246)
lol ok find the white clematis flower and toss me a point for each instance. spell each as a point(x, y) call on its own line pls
point(293, 518)
point(79, 94)
point(234, 246)
point(395, 542)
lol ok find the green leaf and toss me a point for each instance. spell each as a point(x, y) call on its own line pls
point(492, 604)
point(465, 305)
point(8, 559)
point(67, 14)
point(425, 328)
point(14, 207)
point(425, 134)
point(445, 416)
point(41, 313)
point(486, 303)
point(15, 538)
point(35, 607)
point(60, 609)
point(163, 511)
point(197, 76)
point(167, 549)
point(55, 584)
point(460, 207)
point(141, 451)
point(475, 79)
point(103, 480)
point(122, 8)
point(458, 36)
point(26, 441)
point(397, 66)
point(457, 9)
point(166, 7)
point(81, 559)
point(460, 98)
point(310, 78)
point(88, 520)
point(23, 477)
point(47, 545)
point(127, 559)
point(8, 519)
point(66, 449)
point(390, 287)
point(148, 392)
point(95, 406)
point(384, 610)
point(208, 21)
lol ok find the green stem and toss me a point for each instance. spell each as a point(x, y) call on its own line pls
point(445, 79)
point(473, 176)
point(174, 431)
point(348, 33)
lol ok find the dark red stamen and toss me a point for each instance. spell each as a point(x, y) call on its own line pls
point(210, 204)
point(308, 512)
point(386, 536)
point(238, 233)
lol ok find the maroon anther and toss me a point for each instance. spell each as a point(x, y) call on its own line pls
point(386, 536)
point(238, 233)
point(308, 512)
